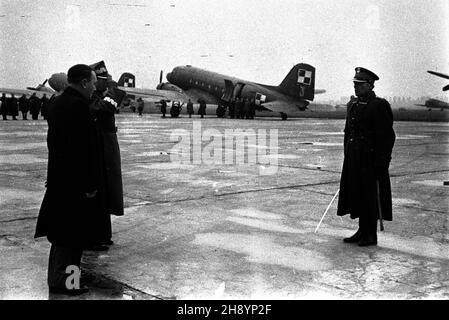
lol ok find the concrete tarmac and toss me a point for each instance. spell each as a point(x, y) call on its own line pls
point(199, 227)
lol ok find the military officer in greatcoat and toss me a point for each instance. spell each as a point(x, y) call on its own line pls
point(365, 190)
point(103, 108)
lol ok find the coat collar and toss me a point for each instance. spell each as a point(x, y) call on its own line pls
point(73, 92)
point(368, 97)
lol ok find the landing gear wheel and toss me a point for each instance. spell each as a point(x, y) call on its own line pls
point(283, 116)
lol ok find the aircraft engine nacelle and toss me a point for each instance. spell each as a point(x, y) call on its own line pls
point(58, 81)
point(169, 87)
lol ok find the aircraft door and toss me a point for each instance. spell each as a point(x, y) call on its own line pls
point(229, 91)
point(238, 88)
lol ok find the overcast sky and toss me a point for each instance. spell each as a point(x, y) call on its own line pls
point(257, 40)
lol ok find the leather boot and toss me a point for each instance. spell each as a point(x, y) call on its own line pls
point(355, 237)
point(368, 239)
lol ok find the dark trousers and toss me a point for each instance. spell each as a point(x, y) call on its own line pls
point(24, 115)
point(368, 222)
point(4, 117)
point(60, 258)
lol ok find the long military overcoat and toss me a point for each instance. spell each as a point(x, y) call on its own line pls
point(368, 142)
point(104, 113)
point(67, 216)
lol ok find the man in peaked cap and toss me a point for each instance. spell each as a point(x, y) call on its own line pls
point(103, 108)
point(365, 190)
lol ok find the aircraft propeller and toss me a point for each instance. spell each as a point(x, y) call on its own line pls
point(160, 76)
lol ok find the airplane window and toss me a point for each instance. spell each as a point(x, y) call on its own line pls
point(196, 82)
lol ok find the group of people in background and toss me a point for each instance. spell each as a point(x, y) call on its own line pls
point(10, 106)
point(238, 108)
point(242, 108)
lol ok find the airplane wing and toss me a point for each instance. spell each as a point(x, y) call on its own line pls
point(284, 107)
point(19, 92)
point(156, 95)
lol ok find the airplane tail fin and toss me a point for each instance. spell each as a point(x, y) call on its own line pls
point(300, 82)
point(127, 80)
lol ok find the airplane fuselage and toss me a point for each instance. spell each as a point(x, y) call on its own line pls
point(221, 86)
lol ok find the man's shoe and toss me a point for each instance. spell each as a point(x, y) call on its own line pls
point(108, 243)
point(368, 241)
point(97, 247)
point(70, 292)
point(356, 237)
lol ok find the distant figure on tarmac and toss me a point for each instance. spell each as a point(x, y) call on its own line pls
point(24, 106)
point(231, 111)
point(190, 108)
point(202, 107)
point(252, 108)
point(13, 107)
point(140, 105)
point(238, 108)
point(163, 108)
point(35, 106)
point(44, 106)
point(246, 108)
point(4, 107)
point(365, 190)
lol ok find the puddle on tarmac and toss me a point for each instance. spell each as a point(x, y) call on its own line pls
point(167, 166)
point(265, 225)
point(338, 133)
point(421, 246)
point(431, 183)
point(404, 201)
point(262, 249)
point(30, 197)
point(283, 156)
point(24, 146)
point(328, 144)
point(131, 141)
point(23, 133)
point(20, 159)
point(254, 213)
point(411, 136)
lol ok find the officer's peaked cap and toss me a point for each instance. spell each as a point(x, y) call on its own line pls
point(364, 75)
point(100, 70)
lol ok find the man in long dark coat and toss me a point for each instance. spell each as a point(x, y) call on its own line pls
point(44, 106)
point(4, 107)
point(70, 212)
point(13, 107)
point(24, 106)
point(140, 106)
point(190, 108)
point(163, 108)
point(35, 106)
point(103, 109)
point(365, 190)
point(202, 107)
